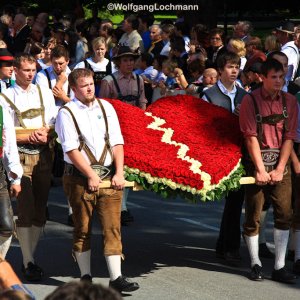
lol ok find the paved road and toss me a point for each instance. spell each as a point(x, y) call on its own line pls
point(169, 250)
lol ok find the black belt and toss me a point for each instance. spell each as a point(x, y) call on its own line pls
point(73, 171)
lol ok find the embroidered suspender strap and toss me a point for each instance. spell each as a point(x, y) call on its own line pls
point(8, 84)
point(107, 147)
point(284, 112)
point(17, 111)
point(42, 105)
point(69, 90)
point(87, 65)
point(116, 85)
point(108, 68)
point(82, 144)
point(271, 119)
point(81, 141)
point(138, 84)
point(48, 77)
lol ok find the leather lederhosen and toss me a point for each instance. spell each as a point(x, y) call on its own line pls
point(98, 166)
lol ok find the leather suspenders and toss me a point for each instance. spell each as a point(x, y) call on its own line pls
point(82, 145)
point(30, 113)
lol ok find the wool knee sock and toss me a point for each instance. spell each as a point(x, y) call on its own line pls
point(4, 245)
point(291, 242)
point(114, 266)
point(84, 262)
point(281, 238)
point(297, 244)
point(35, 233)
point(124, 199)
point(70, 209)
point(252, 244)
point(24, 237)
point(262, 229)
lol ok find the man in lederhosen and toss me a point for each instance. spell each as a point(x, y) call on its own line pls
point(92, 142)
point(56, 78)
point(9, 162)
point(127, 87)
point(31, 107)
point(268, 121)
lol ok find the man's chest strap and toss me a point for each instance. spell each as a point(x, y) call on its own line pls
point(30, 113)
point(82, 144)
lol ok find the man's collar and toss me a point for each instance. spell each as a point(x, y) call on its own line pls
point(224, 89)
point(84, 106)
point(18, 89)
point(18, 31)
point(267, 96)
point(121, 75)
point(157, 41)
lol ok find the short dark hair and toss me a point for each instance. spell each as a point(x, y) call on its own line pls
point(278, 53)
point(78, 73)
point(228, 57)
point(196, 65)
point(59, 51)
point(183, 27)
point(133, 20)
point(75, 290)
point(177, 43)
point(147, 58)
point(21, 57)
point(255, 41)
point(146, 17)
point(271, 64)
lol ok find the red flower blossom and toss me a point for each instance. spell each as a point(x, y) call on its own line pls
point(211, 133)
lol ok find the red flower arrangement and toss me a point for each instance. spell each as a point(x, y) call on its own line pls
point(181, 144)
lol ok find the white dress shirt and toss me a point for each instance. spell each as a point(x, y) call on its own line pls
point(11, 159)
point(97, 67)
point(92, 127)
point(28, 99)
point(292, 52)
point(42, 80)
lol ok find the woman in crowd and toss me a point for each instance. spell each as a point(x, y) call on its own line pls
point(45, 62)
point(216, 48)
point(238, 46)
point(100, 65)
point(271, 44)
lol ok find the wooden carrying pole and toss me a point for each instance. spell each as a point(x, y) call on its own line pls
point(107, 184)
point(136, 187)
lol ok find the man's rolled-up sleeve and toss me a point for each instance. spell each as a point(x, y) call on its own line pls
point(66, 131)
point(247, 119)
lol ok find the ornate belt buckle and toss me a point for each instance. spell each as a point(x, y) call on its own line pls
point(270, 157)
point(101, 171)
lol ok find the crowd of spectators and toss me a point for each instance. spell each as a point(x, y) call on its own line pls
point(167, 56)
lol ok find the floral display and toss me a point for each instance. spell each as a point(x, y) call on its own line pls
point(181, 145)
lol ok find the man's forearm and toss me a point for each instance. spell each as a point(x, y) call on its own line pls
point(285, 153)
point(80, 163)
point(254, 152)
point(118, 152)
